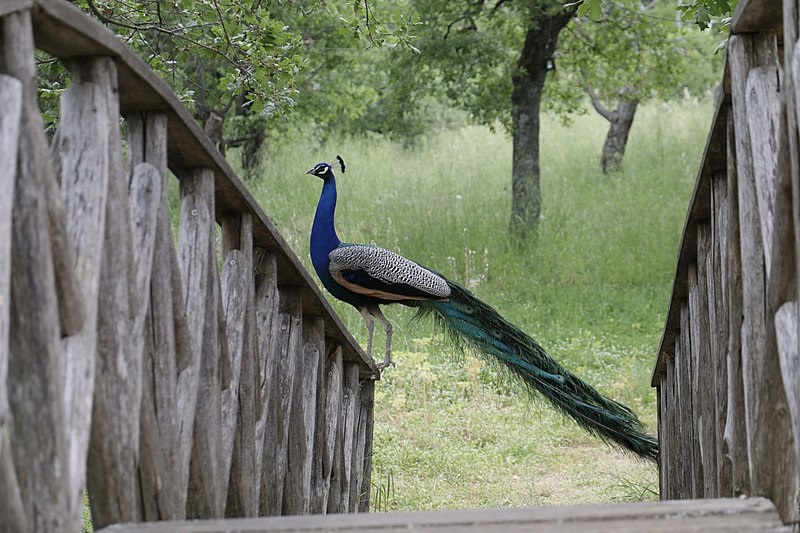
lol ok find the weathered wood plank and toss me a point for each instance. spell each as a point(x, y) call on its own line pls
point(297, 496)
point(366, 423)
point(161, 481)
point(268, 328)
point(706, 377)
point(239, 294)
point(332, 458)
point(694, 481)
point(12, 516)
point(289, 353)
point(668, 450)
point(718, 298)
point(792, 68)
point(202, 292)
point(69, 292)
point(35, 372)
point(756, 16)
point(114, 440)
point(319, 481)
point(664, 471)
point(699, 354)
point(764, 129)
point(769, 435)
point(12, 512)
point(735, 435)
point(350, 436)
point(237, 286)
point(87, 114)
point(748, 514)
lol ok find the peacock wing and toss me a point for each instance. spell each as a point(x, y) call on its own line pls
point(383, 274)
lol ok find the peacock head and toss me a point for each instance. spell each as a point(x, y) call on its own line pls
point(321, 170)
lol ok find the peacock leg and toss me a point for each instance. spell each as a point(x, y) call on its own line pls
point(370, 327)
point(387, 327)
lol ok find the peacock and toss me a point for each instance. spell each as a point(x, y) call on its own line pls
point(367, 277)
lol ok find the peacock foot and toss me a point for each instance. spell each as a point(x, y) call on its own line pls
point(387, 362)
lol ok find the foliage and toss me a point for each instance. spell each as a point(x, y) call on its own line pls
point(629, 45)
point(708, 13)
point(469, 52)
point(239, 65)
point(211, 51)
point(592, 289)
point(703, 13)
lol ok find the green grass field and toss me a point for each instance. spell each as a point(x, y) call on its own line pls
point(450, 432)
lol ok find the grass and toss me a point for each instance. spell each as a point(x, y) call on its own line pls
point(450, 432)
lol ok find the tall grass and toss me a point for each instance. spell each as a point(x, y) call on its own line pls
point(592, 288)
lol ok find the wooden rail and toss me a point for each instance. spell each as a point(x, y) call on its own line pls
point(199, 380)
point(733, 515)
point(727, 370)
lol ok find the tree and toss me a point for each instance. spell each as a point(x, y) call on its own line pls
point(629, 54)
point(491, 59)
point(237, 64)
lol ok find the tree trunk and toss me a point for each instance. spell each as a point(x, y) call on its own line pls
point(621, 120)
point(617, 137)
point(540, 44)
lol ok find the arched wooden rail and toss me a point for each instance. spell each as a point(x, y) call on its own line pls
point(727, 372)
point(202, 380)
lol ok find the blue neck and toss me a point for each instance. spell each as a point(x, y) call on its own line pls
point(323, 234)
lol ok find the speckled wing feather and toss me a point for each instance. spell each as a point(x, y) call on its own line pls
point(381, 273)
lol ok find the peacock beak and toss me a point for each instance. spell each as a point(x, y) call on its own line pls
point(310, 171)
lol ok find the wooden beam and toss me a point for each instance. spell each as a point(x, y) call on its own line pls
point(757, 16)
point(728, 515)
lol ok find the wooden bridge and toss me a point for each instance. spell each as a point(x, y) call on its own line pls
point(728, 375)
point(202, 380)
point(210, 379)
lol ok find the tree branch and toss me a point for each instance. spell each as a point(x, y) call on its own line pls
point(598, 105)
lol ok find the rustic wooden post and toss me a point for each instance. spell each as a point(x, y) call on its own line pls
point(318, 485)
point(704, 380)
point(791, 32)
point(268, 330)
point(202, 293)
point(12, 514)
point(684, 465)
point(88, 112)
point(35, 371)
point(718, 299)
point(688, 411)
point(297, 496)
point(237, 288)
point(351, 408)
point(289, 353)
point(238, 296)
point(769, 434)
point(735, 434)
point(161, 481)
point(366, 424)
point(333, 453)
point(668, 452)
point(114, 441)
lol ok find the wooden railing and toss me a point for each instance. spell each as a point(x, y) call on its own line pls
point(166, 384)
point(727, 371)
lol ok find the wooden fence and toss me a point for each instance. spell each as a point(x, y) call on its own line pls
point(202, 380)
point(727, 371)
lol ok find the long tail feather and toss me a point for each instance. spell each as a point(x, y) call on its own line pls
point(476, 325)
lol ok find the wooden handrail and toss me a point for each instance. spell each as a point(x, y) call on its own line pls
point(65, 32)
point(168, 380)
